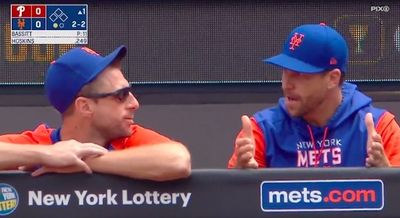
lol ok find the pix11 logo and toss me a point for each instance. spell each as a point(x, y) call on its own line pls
point(378, 8)
point(322, 195)
point(8, 199)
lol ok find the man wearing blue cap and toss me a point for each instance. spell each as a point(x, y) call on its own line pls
point(97, 109)
point(321, 121)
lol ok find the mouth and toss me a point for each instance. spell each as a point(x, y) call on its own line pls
point(129, 119)
point(292, 98)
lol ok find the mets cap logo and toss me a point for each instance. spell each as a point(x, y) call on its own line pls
point(8, 199)
point(296, 40)
point(90, 51)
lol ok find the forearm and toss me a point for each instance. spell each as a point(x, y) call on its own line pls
point(15, 155)
point(158, 162)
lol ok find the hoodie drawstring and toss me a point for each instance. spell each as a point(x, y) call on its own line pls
point(318, 157)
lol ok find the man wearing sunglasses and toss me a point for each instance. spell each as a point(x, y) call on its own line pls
point(97, 109)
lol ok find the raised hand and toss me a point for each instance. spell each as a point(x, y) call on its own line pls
point(245, 146)
point(375, 151)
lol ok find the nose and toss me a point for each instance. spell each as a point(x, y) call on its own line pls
point(133, 103)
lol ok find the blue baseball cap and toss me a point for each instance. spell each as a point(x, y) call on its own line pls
point(313, 48)
point(68, 74)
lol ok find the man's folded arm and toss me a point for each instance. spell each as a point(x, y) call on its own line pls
point(159, 162)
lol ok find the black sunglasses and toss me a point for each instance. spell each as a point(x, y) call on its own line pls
point(120, 94)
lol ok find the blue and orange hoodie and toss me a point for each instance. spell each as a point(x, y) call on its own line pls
point(285, 141)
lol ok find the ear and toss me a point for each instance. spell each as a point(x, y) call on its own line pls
point(117, 63)
point(84, 106)
point(334, 78)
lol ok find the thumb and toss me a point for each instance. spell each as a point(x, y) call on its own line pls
point(82, 164)
point(369, 123)
point(246, 127)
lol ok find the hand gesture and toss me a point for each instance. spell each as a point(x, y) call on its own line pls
point(245, 146)
point(68, 157)
point(376, 154)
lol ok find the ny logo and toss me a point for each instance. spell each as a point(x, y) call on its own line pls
point(296, 39)
point(90, 51)
point(21, 23)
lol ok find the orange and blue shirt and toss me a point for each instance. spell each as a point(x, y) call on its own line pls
point(44, 135)
point(285, 141)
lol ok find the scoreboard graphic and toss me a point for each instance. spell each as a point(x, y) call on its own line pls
point(49, 23)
